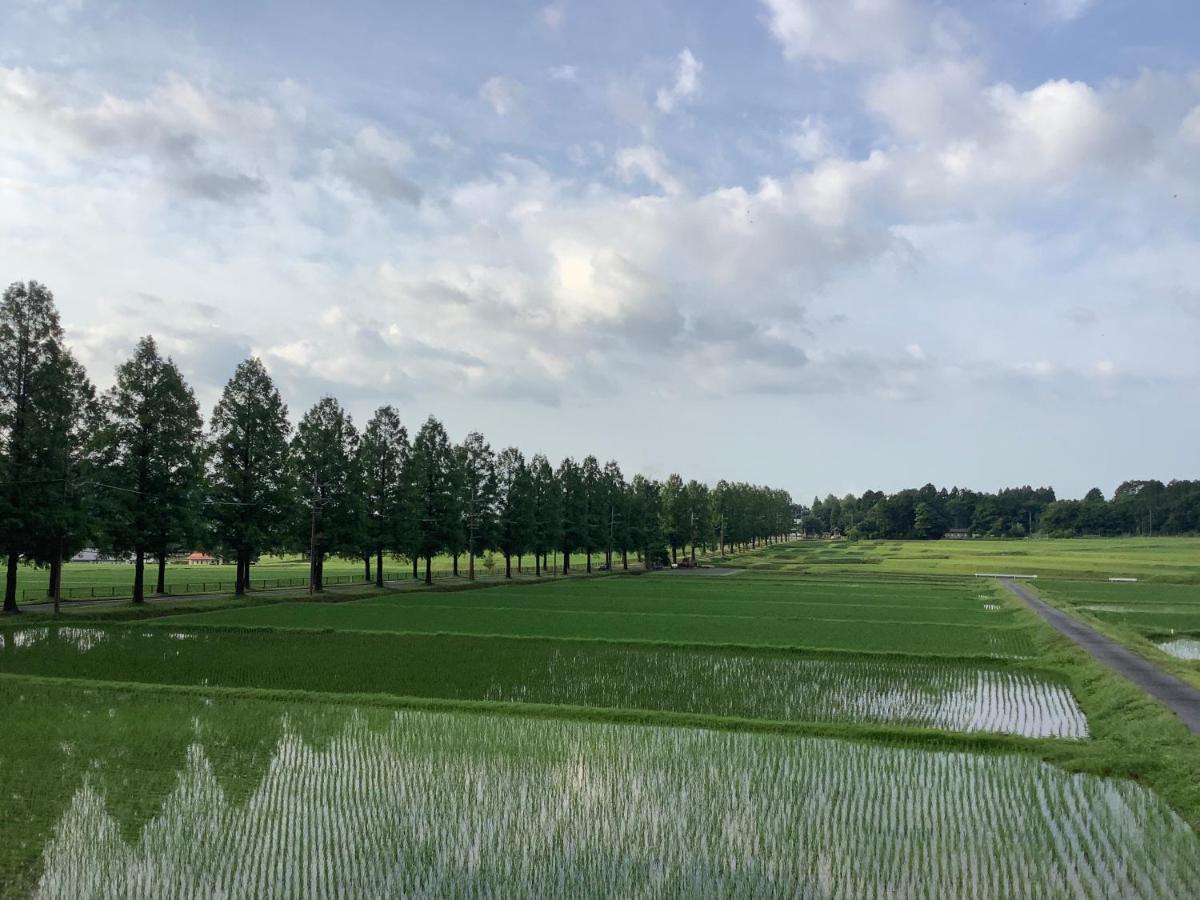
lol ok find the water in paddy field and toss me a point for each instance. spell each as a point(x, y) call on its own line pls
point(1184, 648)
point(410, 803)
point(764, 685)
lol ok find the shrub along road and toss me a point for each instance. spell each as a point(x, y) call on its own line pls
point(1178, 696)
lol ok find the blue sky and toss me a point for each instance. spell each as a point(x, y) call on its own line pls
point(825, 245)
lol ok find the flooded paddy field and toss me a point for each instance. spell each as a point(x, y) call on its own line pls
point(207, 796)
point(783, 686)
point(741, 736)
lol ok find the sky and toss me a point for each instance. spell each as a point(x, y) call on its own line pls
point(826, 245)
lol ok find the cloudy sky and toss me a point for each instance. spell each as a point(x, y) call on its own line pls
point(828, 245)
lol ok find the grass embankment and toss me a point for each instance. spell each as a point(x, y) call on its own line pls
point(1167, 559)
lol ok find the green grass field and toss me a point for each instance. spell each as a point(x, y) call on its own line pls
point(84, 581)
point(764, 733)
point(1168, 559)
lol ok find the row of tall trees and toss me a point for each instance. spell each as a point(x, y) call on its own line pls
point(1135, 508)
point(136, 472)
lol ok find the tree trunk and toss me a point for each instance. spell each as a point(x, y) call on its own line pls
point(566, 562)
point(693, 553)
point(520, 571)
point(10, 585)
point(537, 564)
point(428, 569)
point(160, 586)
point(674, 555)
point(589, 562)
point(454, 568)
point(508, 565)
point(139, 575)
point(471, 564)
point(379, 567)
point(239, 580)
point(318, 573)
point(367, 567)
point(625, 560)
point(414, 562)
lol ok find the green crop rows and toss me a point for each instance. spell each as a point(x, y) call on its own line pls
point(748, 735)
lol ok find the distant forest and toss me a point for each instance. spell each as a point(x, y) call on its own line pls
point(1135, 508)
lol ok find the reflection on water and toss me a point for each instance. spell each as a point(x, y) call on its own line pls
point(746, 684)
point(450, 805)
point(1184, 648)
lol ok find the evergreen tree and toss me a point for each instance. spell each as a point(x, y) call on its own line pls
point(29, 331)
point(247, 472)
point(478, 497)
point(325, 477)
point(384, 461)
point(435, 504)
point(517, 508)
point(153, 456)
point(547, 505)
point(64, 455)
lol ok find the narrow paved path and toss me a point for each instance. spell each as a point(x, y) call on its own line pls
point(1178, 696)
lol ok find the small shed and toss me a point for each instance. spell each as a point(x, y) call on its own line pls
point(958, 534)
point(201, 559)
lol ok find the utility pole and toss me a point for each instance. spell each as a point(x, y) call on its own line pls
point(471, 538)
point(312, 539)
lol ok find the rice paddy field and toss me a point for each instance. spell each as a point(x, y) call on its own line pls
point(763, 734)
point(1166, 559)
point(1166, 616)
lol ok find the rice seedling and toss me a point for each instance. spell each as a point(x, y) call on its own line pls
point(409, 803)
point(1183, 648)
point(781, 686)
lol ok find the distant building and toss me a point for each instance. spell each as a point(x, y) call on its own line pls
point(201, 559)
point(86, 555)
point(957, 534)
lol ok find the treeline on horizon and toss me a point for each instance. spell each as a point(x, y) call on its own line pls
point(135, 471)
point(1146, 507)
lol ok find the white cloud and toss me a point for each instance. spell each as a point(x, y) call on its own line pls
point(1067, 10)
point(501, 93)
point(651, 164)
point(553, 15)
point(685, 86)
point(564, 73)
point(868, 32)
point(810, 139)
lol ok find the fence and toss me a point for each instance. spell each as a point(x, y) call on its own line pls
point(104, 592)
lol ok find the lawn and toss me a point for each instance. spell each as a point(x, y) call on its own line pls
point(1167, 559)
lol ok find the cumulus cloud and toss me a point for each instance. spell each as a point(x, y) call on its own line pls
point(649, 163)
point(373, 163)
point(868, 32)
point(501, 93)
point(685, 86)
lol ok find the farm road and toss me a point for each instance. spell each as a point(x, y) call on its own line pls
point(1178, 696)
